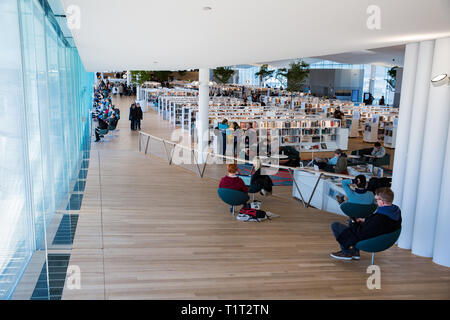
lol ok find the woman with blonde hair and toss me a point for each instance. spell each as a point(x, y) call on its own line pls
point(260, 182)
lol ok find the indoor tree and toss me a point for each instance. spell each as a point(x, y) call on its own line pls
point(138, 77)
point(162, 76)
point(296, 75)
point(223, 74)
point(264, 73)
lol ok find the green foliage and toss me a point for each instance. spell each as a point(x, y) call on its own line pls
point(223, 74)
point(140, 76)
point(295, 75)
point(391, 80)
point(264, 73)
point(162, 76)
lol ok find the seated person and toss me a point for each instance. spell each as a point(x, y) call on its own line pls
point(360, 195)
point(385, 220)
point(102, 125)
point(377, 152)
point(293, 159)
point(232, 181)
point(260, 182)
point(337, 164)
point(112, 122)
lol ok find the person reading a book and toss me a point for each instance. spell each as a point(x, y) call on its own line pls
point(232, 181)
point(336, 164)
point(377, 152)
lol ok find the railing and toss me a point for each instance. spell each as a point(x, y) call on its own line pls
point(145, 140)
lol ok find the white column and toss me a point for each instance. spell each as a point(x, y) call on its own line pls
point(202, 122)
point(433, 155)
point(404, 124)
point(415, 142)
point(128, 78)
point(138, 93)
point(441, 252)
point(372, 79)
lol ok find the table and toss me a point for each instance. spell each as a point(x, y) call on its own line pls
point(319, 189)
point(279, 156)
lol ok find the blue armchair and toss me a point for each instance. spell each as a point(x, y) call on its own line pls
point(233, 197)
point(379, 243)
point(355, 210)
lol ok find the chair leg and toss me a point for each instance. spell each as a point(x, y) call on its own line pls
point(373, 255)
point(233, 210)
point(253, 196)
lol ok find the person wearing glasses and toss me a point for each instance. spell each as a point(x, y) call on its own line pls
point(386, 219)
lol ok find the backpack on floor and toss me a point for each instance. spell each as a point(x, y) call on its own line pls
point(254, 214)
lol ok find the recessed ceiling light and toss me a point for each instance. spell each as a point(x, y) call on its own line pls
point(207, 8)
point(440, 79)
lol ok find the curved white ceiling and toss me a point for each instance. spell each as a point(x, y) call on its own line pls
point(180, 34)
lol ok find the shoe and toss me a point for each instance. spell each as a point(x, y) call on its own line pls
point(340, 199)
point(341, 255)
point(97, 140)
point(355, 256)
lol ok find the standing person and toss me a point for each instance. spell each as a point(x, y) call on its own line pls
point(132, 116)
point(338, 114)
point(223, 126)
point(385, 220)
point(382, 101)
point(237, 133)
point(138, 116)
point(121, 90)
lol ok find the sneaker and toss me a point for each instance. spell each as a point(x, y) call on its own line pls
point(341, 255)
point(355, 256)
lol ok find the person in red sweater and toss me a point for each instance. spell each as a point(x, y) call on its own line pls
point(232, 181)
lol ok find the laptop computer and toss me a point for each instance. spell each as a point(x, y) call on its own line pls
point(246, 179)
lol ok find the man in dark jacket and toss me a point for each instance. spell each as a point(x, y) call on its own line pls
point(102, 125)
point(138, 117)
point(133, 116)
point(385, 220)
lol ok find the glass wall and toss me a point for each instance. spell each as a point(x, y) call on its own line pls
point(45, 96)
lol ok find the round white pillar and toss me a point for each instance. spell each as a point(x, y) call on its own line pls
point(441, 252)
point(433, 155)
point(415, 142)
point(202, 122)
point(372, 79)
point(128, 78)
point(404, 121)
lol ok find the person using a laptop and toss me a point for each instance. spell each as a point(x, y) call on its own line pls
point(232, 180)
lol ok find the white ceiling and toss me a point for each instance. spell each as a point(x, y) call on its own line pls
point(179, 34)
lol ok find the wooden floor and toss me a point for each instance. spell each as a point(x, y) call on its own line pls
point(148, 230)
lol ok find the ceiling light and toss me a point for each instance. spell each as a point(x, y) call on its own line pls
point(207, 8)
point(155, 61)
point(440, 79)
